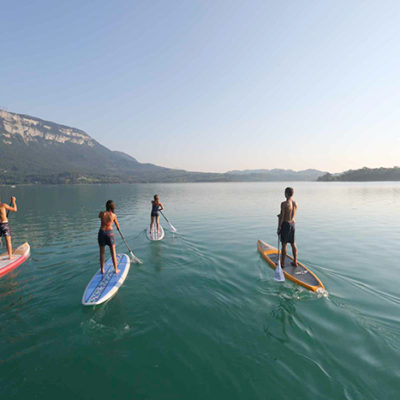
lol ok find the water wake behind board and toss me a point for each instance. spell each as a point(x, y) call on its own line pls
point(103, 286)
point(300, 274)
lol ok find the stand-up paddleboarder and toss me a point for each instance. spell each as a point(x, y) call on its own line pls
point(4, 226)
point(106, 236)
point(156, 207)
point(287, 226)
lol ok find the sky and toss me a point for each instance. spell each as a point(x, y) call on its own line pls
point(212, 85)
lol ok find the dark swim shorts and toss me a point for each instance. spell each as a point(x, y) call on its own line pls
point(288, 232)
point(106, 238)
point(5, 229)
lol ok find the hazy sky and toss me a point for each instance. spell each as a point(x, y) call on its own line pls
point(212, 85)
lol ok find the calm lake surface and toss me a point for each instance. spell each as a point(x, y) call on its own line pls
point(202, 318)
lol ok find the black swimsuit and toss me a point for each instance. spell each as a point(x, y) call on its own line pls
point(154, 210)
point(288, 232)
point(5, 229)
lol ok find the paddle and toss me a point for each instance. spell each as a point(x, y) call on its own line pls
point(278, 275)
point(134, 258)
point(8, 211)
point(173, 229)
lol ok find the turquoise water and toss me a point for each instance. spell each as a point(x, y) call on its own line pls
point(203, 317)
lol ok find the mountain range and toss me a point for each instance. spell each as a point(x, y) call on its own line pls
point(33, 150)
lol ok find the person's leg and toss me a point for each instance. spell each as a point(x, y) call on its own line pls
point(9, 247)
point(283, 254)
point(102, 257)
point(158, 223)
point(114, 258)
point(151, 223)
point(294, 251)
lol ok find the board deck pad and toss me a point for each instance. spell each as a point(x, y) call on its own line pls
point(103, 286)
point(154, 234)
point(21, 254)
point(300, 274)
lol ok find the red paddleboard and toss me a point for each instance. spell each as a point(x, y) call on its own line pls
point(20, 254)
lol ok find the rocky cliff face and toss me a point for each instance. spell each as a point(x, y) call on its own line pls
point(31, 129)
point(36, 151)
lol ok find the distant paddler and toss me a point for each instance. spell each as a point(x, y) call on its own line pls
point(4, 225)
point(287, 225)
point(106, 234)
point(156, 207)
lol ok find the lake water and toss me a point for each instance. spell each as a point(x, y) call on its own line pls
point(202, 318)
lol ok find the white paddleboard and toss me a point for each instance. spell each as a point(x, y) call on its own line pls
point(154, 234)
point(103, 286)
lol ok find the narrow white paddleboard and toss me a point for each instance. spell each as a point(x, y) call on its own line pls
point(103, 286)
point(154, 234)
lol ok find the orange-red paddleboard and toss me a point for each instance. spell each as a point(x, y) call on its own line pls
point(300, 274)
point(21, 254)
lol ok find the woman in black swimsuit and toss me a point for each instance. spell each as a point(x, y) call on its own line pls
point(156, 206)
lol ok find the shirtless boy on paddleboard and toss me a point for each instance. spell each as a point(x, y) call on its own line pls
point(287, 225)
point(106, 234)
point(4, 227)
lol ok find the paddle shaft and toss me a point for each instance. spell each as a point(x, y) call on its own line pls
point(279, 244)
point(8, 211)
point(134, 258)
point(126, 244)
point(169, 223)
point(164, 217)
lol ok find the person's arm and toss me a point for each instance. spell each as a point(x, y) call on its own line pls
point(101, 214)
point(280, 219)
point(12, 208)
point(116, 221)
point(161, 207)
point(295, 209)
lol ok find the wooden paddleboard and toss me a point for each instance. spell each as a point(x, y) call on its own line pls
point(301, 274)
point(154, 234)
point(20, 254)
point(104, 286)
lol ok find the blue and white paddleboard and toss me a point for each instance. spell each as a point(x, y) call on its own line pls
point(103, 286)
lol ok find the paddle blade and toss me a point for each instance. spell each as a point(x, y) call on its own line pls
point(135, 259)
point(279, 275)
point(173, 229)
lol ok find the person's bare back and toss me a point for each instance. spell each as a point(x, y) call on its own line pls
point(288, 210)
point(106, 220)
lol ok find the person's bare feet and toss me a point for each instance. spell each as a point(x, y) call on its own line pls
point(11, 257)
point(102, 271)
point(117, 271)
point(294, 263)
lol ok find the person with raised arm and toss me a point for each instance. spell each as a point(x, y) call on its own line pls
point(4, 225)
